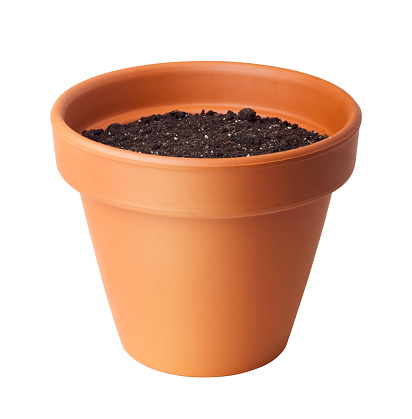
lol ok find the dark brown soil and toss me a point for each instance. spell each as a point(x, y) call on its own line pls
point(206, 135)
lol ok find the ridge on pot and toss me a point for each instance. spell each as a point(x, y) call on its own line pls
point(204, 261)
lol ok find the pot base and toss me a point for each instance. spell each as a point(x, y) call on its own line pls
point(222, 372)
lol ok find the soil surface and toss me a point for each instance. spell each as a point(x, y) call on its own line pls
point(206, 135)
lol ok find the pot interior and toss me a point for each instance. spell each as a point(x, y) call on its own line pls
point(126, 95)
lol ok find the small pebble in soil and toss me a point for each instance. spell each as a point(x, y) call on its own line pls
point(206, 135)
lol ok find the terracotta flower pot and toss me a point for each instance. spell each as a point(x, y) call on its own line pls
point(204, 261)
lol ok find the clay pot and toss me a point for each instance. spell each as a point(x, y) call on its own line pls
point(204, 261)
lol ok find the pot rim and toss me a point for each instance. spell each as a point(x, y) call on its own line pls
point(131, 157)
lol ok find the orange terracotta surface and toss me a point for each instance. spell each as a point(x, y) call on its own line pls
point(204, 261)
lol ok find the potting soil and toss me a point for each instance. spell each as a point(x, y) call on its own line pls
point(206, 135)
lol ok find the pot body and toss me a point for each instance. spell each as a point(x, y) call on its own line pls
point(204, 297)
point(204, 261)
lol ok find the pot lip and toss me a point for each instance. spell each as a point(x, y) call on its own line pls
point(59, 125)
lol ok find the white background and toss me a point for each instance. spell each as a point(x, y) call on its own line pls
point(349, 355)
